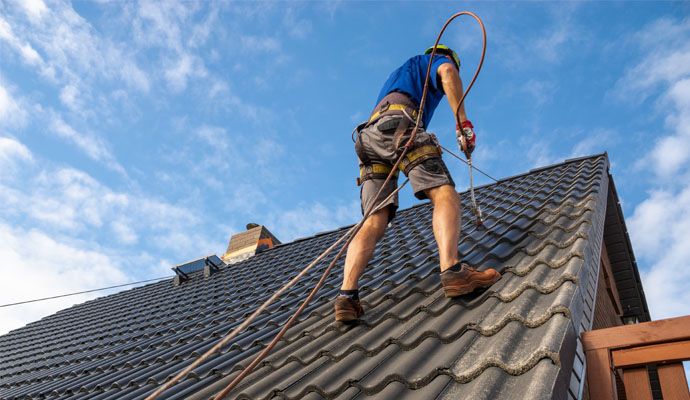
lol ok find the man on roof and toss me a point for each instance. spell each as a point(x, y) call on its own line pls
point(379, 143)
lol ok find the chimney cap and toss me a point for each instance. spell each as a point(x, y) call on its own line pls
point(252, 225)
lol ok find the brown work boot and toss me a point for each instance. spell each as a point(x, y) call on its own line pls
point(347, 309)
point(463, 282)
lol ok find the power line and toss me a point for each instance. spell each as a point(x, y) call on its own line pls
point(85, 291)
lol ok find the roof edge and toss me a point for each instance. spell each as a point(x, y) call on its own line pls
point(567, 161)
point(622, 229)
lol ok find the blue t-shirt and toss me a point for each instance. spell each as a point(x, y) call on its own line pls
point(409, 79)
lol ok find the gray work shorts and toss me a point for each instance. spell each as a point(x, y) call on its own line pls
point(378, 147)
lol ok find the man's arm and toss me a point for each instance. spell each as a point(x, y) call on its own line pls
point(452, 87)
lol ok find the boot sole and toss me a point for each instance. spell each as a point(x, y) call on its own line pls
point(346, 316)
point(452, 291)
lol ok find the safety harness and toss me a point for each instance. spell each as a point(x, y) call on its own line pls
point(395, 103)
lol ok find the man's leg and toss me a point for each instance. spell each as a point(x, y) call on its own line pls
point(362, 247)
point(347, 305)
point(457, 278)
point(447, 222)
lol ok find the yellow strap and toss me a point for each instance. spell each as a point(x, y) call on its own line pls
point(421, 151)
point(376, 169)
point(393, 107)
point(415, 154)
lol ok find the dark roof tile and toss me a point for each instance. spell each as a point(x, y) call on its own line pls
point(542, 230)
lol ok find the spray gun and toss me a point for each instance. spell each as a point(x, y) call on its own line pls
point(464, 136)
point(476, 210)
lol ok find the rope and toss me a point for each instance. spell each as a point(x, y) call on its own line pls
point(348, 237)
point(251, 318)
point(475, 168)
point(297, 313)
point(85, 291)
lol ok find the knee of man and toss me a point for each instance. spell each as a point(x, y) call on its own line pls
point(444, 192)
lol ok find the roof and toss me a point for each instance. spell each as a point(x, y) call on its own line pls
point(519, 339)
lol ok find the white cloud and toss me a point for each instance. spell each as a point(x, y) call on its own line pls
point(309, 219)
point(162, 24)
point(665, 44)
point(179, 71)
point(672, 152)
point(542, 91)
point(539, 155)
point(594, 141)
point(660, 225)
point(660, 232)
point(552, 41)
point(134, 76)
point(27, 52)
point(12, 152)
point(260, 44)
point(219, 87)
point(11, 111)
point(67, 49)
point(668, 31)
point(123, 232)
point(247, 198)
point(549, 46)
point(67, 201)
point(76, 201)
point(30, 55)
point(214, 135)
point(665, 73)
point(68, 96)
point(6, 30)
point(94, 147)
point(35, 9)
point(81, 235)
point(669, 155)
point(662, 65)
point(202, 31)
point(266, 151)
point(296, 27)
point(35, 265)
point(158, 23)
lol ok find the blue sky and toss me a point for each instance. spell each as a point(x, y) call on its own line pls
point(138, 135)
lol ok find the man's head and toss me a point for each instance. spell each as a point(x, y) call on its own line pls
point(446, 51)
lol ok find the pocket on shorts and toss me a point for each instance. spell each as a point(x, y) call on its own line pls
point(433, 166)
point(389, 126)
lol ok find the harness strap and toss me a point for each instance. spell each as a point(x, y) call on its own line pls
point(394, 107)
point(375, 171)
point(411, 160)
point(394, 103)
point(416, 156)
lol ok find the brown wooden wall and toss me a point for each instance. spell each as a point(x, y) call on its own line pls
point(607, 309)
point(607, 312)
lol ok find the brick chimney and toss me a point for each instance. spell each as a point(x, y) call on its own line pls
point(252, 241)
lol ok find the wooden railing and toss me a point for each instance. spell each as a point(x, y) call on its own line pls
point(629, 349)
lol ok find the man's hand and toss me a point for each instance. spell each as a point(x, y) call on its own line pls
point(466, 137)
